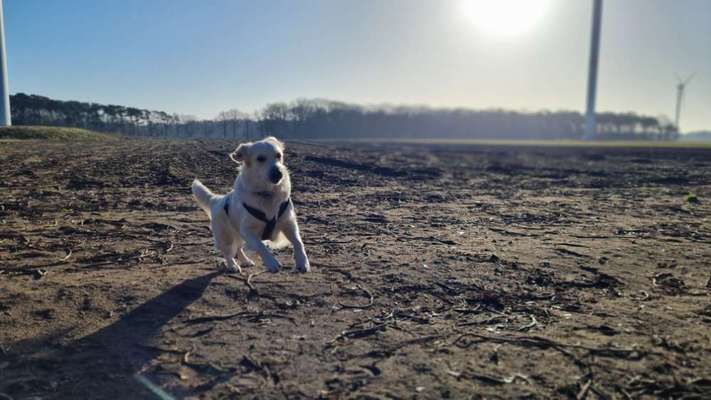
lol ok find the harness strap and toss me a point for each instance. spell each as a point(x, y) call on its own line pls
point(270, 223)
point(227, 205)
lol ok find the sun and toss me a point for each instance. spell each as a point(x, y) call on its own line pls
point(504, 17)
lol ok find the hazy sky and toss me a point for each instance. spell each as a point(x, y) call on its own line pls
point(203, 56)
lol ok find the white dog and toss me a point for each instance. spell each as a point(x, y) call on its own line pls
point(258, 210)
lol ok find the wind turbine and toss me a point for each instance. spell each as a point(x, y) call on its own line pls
point(5, 116)
point(590, 128)
point(680, 87)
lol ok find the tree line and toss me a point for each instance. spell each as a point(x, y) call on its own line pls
point(317, 118)
point(128, 121)
point(308, 118)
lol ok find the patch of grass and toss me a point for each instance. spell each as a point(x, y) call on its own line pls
point(51, 133)
point(692, 199)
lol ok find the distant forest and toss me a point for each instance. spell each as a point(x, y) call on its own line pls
point(128, 121)
point(698, 136)
point(316, 118)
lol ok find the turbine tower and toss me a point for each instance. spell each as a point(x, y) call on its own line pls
point(680, 87)
point(5, 116)
point(590, 128)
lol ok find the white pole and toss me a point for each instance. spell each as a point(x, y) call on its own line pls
point(590, 129)
point(5, 116)
point(679, 99)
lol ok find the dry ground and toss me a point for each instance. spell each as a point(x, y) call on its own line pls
point(439, 271)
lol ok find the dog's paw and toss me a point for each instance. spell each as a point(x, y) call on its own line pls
point(233, 269)
point(304, 266)
point(246, 262)
point(272, 265)
point(229, 268)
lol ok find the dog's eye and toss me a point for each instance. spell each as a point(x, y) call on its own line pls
point(261, 158)
point(278, 156)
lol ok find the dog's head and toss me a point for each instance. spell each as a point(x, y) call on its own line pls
point(261, 161)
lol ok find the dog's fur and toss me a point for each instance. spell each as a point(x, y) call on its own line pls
point(261, 163)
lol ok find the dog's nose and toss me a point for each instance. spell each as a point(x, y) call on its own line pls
point(275, 175)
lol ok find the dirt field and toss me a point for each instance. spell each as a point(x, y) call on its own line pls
point(439, 271)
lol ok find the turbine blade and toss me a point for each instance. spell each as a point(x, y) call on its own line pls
point(689, 78)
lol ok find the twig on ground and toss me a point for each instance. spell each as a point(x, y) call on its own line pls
point(450, 290)
point(370, 301)
point(599, 393)
point(543, 343)
point(494, 379)
point(496, 318)
point(591, 237)
point(474, 310)
point(645, 296)
point(570, 244)
point(249, 281)
point(432, 239)
point(512, 233)
point(253, 317)
point(335, 268)
point(529, 326)
point(201, 320)
point(563, 250)
point(583, 392)
point(358, 333)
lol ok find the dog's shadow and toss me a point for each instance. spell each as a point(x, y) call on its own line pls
point(103, 364)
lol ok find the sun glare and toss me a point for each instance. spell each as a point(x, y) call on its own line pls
point(504, 17)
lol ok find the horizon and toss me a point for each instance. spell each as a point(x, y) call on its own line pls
point(387, 107)
point(373, 53)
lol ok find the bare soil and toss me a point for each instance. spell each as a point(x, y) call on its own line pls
point(439, 271)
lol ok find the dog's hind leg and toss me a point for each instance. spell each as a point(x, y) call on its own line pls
point(228, 251)
point(241, 257)
point(226, 244)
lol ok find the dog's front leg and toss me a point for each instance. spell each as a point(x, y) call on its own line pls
point(254, 243)
point(291, 231)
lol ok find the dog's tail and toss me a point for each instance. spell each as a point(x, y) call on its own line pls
point(278, 242)
point(203, 196)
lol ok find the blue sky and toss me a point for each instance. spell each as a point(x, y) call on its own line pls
point(203, 56)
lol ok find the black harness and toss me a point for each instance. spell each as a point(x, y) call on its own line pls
point(260, 215)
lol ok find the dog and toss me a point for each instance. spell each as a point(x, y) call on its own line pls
point(257, 212)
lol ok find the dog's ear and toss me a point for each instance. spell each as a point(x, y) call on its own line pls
point(276, 142)
point(241, 153)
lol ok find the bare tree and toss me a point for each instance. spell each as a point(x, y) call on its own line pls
point(231, 117)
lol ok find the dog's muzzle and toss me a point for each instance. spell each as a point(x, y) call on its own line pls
point(275, 175)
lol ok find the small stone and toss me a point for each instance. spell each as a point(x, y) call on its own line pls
point(39, 273)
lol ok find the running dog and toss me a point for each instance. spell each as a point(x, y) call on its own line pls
point(258, 211)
